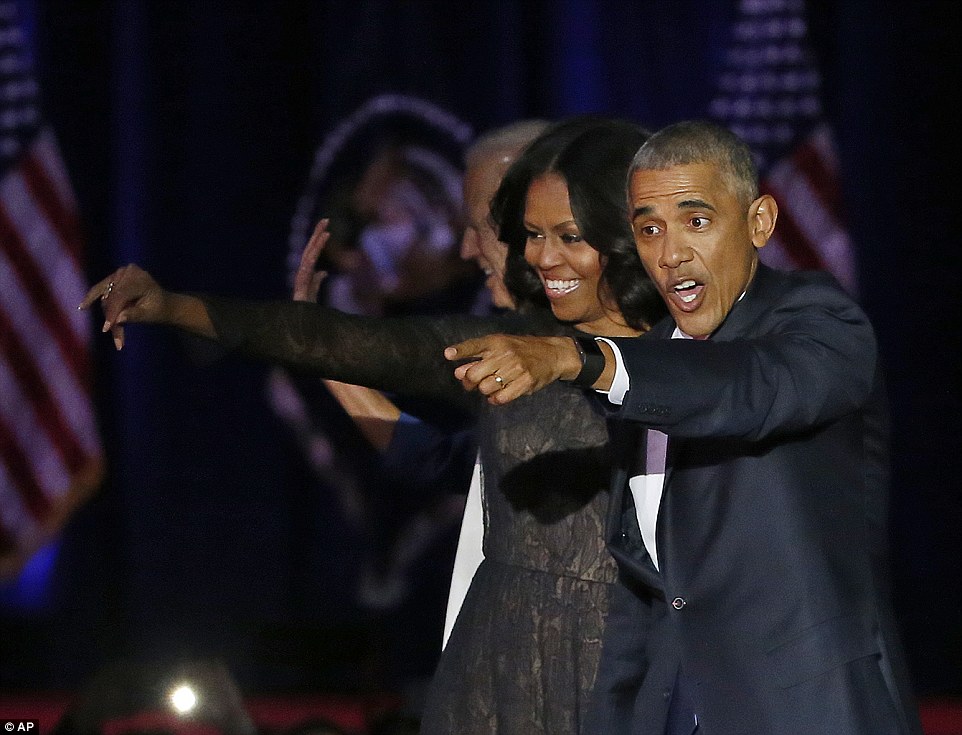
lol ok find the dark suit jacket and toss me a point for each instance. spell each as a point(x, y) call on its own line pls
point(771, 607)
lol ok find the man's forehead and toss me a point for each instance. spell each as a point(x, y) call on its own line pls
point(700, 173)
point(694, 183)
point(480, 183)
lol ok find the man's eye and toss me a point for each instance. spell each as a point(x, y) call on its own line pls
point(649, 230)
point(699, 222)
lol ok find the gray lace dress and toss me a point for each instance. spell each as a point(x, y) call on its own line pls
point(524, 652)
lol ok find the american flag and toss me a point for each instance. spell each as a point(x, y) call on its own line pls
point(769, 93)
point(50, 450)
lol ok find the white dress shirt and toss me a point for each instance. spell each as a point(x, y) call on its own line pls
point(646, 489)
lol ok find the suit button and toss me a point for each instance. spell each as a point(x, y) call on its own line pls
point(666, 694)
point(678, 603)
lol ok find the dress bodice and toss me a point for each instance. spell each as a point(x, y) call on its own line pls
point(546, 467)
point(544, 456)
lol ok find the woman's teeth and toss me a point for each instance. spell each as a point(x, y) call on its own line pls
point(562, 286)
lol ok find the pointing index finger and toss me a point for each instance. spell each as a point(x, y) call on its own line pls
point(469, 348)
point(95, 292)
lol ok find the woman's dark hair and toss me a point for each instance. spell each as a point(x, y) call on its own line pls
point(592, 155)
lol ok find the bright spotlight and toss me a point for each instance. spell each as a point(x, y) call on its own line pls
point(183, 699)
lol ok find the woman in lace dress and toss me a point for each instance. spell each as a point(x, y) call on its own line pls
point(523, 654)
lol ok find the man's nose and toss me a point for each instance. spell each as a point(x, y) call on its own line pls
point(674, 252)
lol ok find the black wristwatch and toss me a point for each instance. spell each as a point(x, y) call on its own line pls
point(592, 362)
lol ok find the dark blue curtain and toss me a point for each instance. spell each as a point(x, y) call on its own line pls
point(188, 129)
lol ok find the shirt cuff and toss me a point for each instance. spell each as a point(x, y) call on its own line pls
point(620, 383)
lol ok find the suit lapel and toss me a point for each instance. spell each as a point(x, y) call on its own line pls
point(743, 315)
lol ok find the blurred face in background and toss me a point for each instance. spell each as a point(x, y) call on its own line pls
point(480, 242)
point(405, 212)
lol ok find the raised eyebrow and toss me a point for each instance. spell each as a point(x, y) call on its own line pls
point(696, 204)
point(645, 210)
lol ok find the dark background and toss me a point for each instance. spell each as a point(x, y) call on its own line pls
point(188, 129)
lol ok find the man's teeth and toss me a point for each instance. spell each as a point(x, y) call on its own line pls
point(565, 286)
point(684, 286)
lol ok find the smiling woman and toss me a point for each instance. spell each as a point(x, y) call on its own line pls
point(563, 217)
point(569, 267)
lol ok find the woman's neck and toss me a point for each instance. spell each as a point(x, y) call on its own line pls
point(608, 328)
point(610, 322)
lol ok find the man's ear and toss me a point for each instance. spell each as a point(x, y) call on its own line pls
point(761, 219)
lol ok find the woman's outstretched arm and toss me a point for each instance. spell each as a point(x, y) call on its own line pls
point(401, 355)
point(131, 295)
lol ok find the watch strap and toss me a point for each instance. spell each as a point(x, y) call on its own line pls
point(592, 361)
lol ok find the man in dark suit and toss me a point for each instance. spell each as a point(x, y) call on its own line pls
point(750, 527)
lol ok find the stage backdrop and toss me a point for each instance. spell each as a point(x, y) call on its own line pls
point(188, 132)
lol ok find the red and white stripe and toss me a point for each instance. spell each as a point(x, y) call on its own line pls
point(809, 232)
point(50, 450)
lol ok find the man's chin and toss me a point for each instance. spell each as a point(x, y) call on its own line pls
point(692, 327)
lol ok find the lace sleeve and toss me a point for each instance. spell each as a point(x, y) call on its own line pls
point(401, 355)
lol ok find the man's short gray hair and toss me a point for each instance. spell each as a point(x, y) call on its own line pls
point(701, 141)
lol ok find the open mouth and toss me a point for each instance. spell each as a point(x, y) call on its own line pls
point(685, 294)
